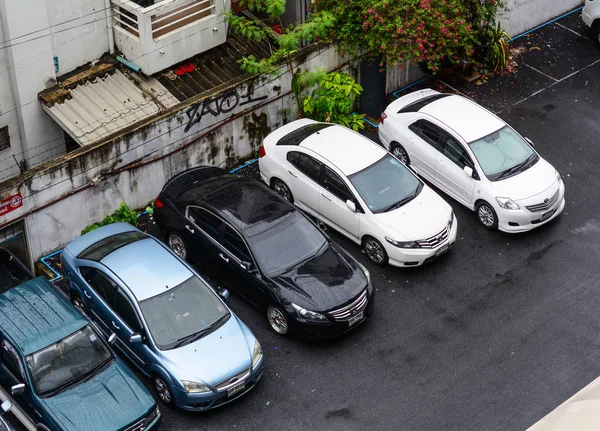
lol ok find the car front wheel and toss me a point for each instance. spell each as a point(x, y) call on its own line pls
point(277, 320)
point(163, 391)
point(399, 152)
point(375, 251)
point(487, 216)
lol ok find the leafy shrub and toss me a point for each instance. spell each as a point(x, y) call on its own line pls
point(123, 214)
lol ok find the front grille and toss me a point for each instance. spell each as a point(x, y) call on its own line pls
point(354, 307)
point(138, 426)
point(232, 381)
point(544, 205)
point(435, 240)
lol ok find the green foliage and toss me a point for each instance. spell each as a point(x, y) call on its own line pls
point(423, 31)
point(333, 99)
point(123, 214)
point(498, 55)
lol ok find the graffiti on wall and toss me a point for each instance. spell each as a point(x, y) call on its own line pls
point(221, 104)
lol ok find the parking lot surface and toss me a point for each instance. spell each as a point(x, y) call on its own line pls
point(493, 335)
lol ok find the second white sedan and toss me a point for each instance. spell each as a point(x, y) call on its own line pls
point(475, 157)
point(352, 184)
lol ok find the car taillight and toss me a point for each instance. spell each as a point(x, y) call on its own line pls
point(383, 117)
point(158, 203)
point(262, 152)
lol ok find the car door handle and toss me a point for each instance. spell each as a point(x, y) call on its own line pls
point(87, 295)
point(326, 197)
point(292, 174)
point(188, 227)
point(115, 325)
point(225, 258)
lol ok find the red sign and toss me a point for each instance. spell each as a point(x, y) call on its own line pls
point(11, 203)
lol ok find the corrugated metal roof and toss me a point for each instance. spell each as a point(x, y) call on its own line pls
point(102, 106)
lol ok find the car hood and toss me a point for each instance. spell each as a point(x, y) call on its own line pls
point(326, 281)
point(112, 399)
point(214, 357)
point(531, 182)
point(426, 215)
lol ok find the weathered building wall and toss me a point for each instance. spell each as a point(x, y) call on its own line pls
point(527, 14)
point(213, 131)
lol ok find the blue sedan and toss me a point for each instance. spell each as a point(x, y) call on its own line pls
point(169, 322)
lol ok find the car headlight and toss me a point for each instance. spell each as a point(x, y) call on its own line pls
point(507, 204)
point(451, 222)
point(309, 315)
point(403, 244)
point(558, 177)
point(194, 387)
point(152, 416)
point(257, 354)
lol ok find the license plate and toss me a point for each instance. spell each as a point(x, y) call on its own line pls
point(237, 388)
point(355, 319)
point(441, 250)
point(546, 215)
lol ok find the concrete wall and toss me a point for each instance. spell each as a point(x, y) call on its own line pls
point(527, 14)
point(202, 137)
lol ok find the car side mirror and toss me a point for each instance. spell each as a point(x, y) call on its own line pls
point(246, 265)
point(135, 338)
point(6, 406)
point(469, 171)
point(112, 338)
point(351, 205)
point(224, 294)
point(17, 389)
point(530, 142)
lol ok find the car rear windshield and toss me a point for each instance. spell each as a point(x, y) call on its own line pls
point(103, 248)
point(67, 362)
point(299, 135)
point(284, 243)
point(183, 314)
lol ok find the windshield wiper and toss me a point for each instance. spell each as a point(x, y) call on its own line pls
point(515, 168)
point(195, 335)
point(405, 199)
point(82, 378)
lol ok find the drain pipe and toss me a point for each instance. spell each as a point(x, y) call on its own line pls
point(109, 27)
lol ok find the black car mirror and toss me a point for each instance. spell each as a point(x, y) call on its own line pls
point(246, 265)
point(17, 389)
point(224, 294)
point(135, 338)
point(112, 338)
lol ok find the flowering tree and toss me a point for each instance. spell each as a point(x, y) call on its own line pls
point(425, 31)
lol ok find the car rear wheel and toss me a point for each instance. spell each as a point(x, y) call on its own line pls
point(163, 391)
point(177, 244)
point(277, 320)
point(282, 189)
point(486, 215)
point(399, 152)
point(375, 251)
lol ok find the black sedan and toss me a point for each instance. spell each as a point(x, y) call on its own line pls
point(265, 249)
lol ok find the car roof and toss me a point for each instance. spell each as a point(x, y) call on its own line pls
point(147, 268)
point(464, 117)
point(80, 244)
point(345, 149)
point(241, 201)
point(35, 315)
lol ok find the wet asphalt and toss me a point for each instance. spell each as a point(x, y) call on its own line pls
point(492, 336)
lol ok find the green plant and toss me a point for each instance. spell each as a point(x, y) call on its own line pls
point(498, 54)
point(333, 99)
point(123, 214)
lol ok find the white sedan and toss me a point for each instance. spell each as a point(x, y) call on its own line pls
point(475, 157)
point(352, 184)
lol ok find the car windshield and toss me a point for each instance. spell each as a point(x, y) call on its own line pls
point(63, 364)
point(183, 314)
point(503, 153)
point(284, 243)
point(386, 185)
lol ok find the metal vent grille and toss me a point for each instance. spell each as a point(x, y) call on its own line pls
point(4, 138)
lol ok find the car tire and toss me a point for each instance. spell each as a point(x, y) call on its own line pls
point(163, 392)
point(282, 190)
point(278, 320)
point(374, 250)
point(486, 215)
point(78, 303)
point(178, 245)
point(399, 152)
